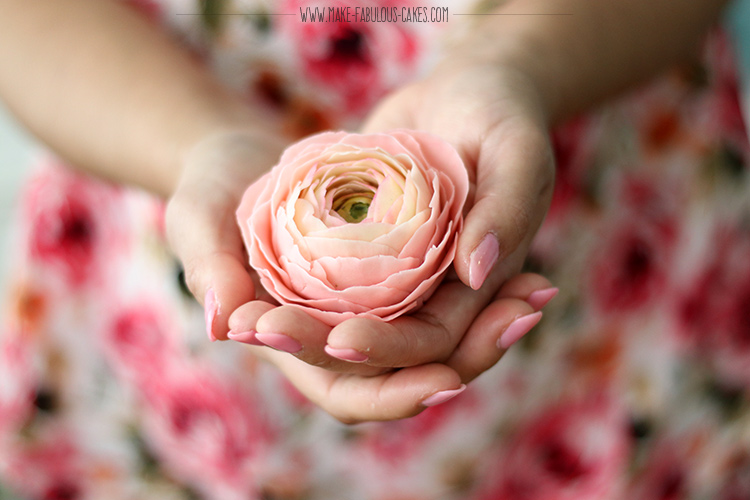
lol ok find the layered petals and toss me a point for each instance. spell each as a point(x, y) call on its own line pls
point(356, 225)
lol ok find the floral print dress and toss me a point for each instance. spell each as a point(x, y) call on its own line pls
point(635, 385)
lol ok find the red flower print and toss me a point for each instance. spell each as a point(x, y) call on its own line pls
point(569, 452)
point(139, 342)
point(17, 380)
point(51, 469)
point(72, 223)
point(630, 265)
point(573, 149)
point(207, 432)
point(357, 61)
point(737, 483)
point(713, 312)
point(666, 474)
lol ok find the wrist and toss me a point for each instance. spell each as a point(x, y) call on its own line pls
point(499, 79)
point(519, 54)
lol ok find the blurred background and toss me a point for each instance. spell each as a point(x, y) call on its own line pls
point(16, 151)
point(17, 148)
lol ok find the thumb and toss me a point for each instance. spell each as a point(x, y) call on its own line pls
point(209, 245)
point(515, 176)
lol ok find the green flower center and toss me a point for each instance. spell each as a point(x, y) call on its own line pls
point(354, 209)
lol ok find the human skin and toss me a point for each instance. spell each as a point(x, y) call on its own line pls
point(171, 128)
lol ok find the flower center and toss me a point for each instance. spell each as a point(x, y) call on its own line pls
point(354, 208)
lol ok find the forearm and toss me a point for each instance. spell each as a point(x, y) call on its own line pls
point(107, 91)
point(590, 49)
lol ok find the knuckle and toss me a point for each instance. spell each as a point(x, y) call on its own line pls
point(440, 341)
point(407, 351)
point(517, 222)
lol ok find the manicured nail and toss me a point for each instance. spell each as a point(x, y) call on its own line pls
point(211, 309)
point(279, 342)
point(517, 329)
point(346, 354)
point(443, 396)
point(540, 298)
point(245, 337)
point(482, 259)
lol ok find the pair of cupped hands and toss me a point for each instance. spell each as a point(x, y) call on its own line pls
point(366, 369)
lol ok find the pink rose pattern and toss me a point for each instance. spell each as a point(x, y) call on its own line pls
point(635, 385)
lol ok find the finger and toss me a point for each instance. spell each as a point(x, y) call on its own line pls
point(513, 189)
point(404, 342)
point(207, 241)
point(495, 330)
point(201, 222)
point(429, 335)
point(503, 322)
point(390, 396)
point(535, 289)
point(243, 322)
point(291, 330)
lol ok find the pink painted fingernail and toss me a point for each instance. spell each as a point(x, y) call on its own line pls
point(518, 328)
point(247, 337)
point(482, 260)
point(211, 309)
point(279, 341)
point(540, 298)
point(443, 396)
point(350, 355)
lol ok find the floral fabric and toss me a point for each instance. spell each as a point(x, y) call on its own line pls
point(635, 385)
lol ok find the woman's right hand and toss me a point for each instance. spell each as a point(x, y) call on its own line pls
point(201, 224)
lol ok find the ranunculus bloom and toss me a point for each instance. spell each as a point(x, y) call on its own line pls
point(356, 225)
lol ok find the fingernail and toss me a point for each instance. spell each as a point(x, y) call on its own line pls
point(211, 309)
point(443, 396)
point(245, 337)
point(279, 342)
point(346, 354)
point(482, 259)
point(540, 298)
point(517, 329)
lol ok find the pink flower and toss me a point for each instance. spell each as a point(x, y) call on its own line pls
point(356, 225)
point(75, 228)
point(50, 467)
point(630, 266)
point(209, 432)
point(17, 381)
point(713, 312)
point(358, 61)
point(736, 484)
point(668, 470)
point(138, 342)
point(573, 145)
point(570, 452)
